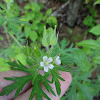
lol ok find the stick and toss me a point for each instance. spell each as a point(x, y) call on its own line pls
point(60, 9)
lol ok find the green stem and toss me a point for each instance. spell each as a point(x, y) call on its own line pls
point(51, 49)
point(16, 40)
point(4, 25)
point(11, 36)
point(8, 38)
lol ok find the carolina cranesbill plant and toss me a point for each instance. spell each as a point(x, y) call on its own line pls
point(48, 59)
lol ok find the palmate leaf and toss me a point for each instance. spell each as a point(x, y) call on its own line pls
point(37, 80)
point(18, 80)
point(55, 77)
point(71, 95)
point(80, 82)
point(36, 90)
point(86, 91)
point(63, 68)
point(13, 24)
point(18, 20)
point(82, 61)
point(45, 83)
point(21, 67)
point(67, 59)
point(93, 44)
point(60, 48)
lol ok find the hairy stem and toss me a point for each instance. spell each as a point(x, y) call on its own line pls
point(16, 40)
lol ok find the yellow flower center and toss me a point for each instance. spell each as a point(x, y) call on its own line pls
point(46, 63)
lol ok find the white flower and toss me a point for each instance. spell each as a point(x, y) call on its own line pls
point(57, 61)
point(46, 63)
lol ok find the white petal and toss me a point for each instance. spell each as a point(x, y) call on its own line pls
point(50, 60)
point(57, 57)
point(46, 68)
point(50, 66)
point(45, 58)
point(41, 64)
point(58, 62)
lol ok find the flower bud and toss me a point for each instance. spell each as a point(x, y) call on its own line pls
point(49, 37)
point(53, 38)
point(45, 38)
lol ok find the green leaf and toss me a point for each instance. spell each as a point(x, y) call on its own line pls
point(2, 20)
point(48, 12)
point(97, 2)
point(36, 50)
point(27, 51)
point(21, 87)
point(96, 59)
point(30, 62)
point(64, 43)
point(21, 58)
point(52, 21)
point(8, 89)
point(93, 44)
point(33, 35)
point(28, 31)
point(85, 91)
point(36, 90)
point(85, 77)
point(2, 6)
point(17, 65)
point(67, 59)
point(89, 21)
point(20, 67)
point(63, 68)
point(80, 96)
point(81, 60)
point(57, 84)
point(35, 75)
point(95, 30)
point(71, 95)
point(3, 65)
point(55, 77)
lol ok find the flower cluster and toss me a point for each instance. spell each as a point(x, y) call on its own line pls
point(47, 63)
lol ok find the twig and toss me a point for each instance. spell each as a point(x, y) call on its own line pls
point(61, 15)
point(60, 9)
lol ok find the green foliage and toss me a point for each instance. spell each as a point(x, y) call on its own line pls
point(90, 18)
point(80, 87)
point(28, 26)
point(38, 20)
point(15, 85)
point(52, 21)
point(97, 2)
point(91, 44)
point(3, 65)
point(82, 61)
point(33, 58)
point(89, 21)
point(95, 30)
point(92, 49)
